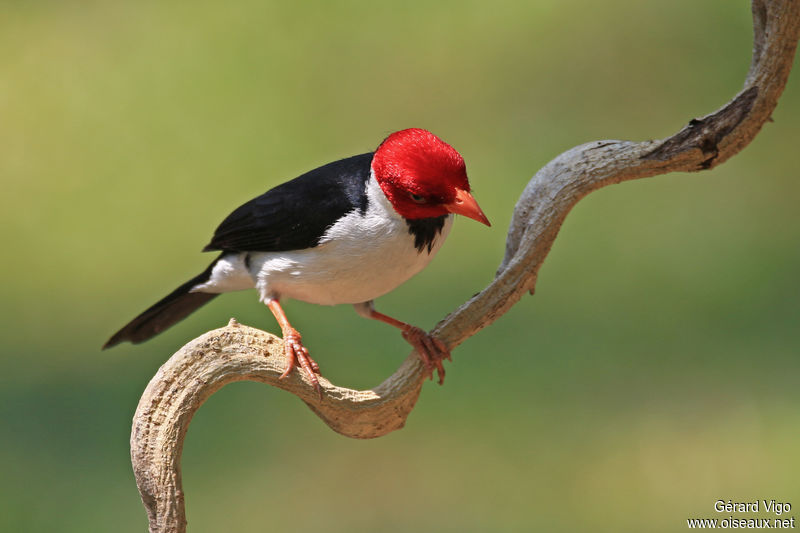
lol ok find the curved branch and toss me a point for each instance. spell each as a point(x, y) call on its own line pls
point(236, 353)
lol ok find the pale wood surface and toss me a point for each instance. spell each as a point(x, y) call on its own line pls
point(236, 352)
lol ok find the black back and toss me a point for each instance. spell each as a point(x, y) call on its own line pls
point(296, 214)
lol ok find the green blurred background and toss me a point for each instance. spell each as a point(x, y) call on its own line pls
point(654, 372)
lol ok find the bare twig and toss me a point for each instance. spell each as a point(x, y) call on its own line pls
point(236, 353)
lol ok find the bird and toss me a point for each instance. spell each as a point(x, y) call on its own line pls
point(347, 232)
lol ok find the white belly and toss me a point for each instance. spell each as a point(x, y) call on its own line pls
point(361, 257)
point(351, 267)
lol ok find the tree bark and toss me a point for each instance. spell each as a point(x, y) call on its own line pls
point(236, 352)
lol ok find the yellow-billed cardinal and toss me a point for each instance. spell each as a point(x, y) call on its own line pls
point(344, 233)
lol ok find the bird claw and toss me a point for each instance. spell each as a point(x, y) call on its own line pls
point(297, 353)
point(430, 349)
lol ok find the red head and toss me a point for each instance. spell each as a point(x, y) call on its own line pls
point(423, 176)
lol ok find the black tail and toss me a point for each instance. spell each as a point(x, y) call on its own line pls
point(171, 309)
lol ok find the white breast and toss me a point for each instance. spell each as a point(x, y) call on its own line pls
point(359, 258)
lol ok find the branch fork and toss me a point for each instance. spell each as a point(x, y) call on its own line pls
point(237, 352)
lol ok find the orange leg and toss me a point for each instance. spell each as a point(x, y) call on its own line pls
point(295, 351)
point(430, 349)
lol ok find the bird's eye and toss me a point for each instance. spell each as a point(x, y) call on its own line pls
point(417, 198)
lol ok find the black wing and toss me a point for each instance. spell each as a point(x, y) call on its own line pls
point(296, 214)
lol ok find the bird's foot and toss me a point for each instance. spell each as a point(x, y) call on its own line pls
point(431, 350)
point(296, 354)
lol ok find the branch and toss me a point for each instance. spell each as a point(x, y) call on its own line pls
point(236, 353)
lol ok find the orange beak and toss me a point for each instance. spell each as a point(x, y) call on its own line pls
point(465, 204)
